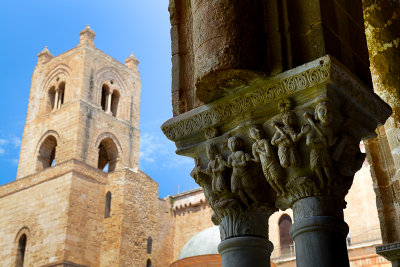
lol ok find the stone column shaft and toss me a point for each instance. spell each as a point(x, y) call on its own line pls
point(55, 105)
point(108, 102)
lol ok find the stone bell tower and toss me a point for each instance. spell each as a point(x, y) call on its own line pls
point(83, 105)
point(79, 198)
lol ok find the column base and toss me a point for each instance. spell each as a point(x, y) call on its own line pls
point(245, 251)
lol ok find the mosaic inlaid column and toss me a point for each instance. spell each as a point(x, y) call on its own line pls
point(287, 141)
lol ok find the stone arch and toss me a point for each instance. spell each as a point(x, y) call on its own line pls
point(20, 246)
point(104, 76)
point(46, 150)
point(109, 152)
point(54, 88)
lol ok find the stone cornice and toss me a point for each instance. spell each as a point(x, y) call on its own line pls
point(74, 167)
point(264, 92)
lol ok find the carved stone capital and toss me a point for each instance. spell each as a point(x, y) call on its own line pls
point(279, 140)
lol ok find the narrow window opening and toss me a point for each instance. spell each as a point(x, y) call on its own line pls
point(21, 251)
point(104, 92)
point(286, 242)
point(148, 264)
point(108, 205)
point(149, 244)
point(114, 103)
point(61, 94)
point(52, 100)
point(47, 153)
point(108, 155)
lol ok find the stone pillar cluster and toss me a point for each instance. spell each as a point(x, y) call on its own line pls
point(291, 141)
point(271, 99)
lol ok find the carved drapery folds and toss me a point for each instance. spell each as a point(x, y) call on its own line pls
point(278, 140)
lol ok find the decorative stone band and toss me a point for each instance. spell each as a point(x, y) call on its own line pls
point(262, 91)
point(389, 251)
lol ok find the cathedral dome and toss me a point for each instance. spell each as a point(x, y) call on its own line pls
point(204, 243)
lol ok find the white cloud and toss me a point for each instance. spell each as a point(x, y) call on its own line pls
point(16, 141)
point(2, 151)
point(3, 141)
point(155, 148)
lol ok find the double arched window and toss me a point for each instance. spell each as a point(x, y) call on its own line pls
point(110, 98)
point(56, 96)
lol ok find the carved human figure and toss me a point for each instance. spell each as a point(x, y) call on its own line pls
point(286, 138)
point(320, 139)
point(216, 168)
point(241, 180)
point(203, 179)
point(263, 152)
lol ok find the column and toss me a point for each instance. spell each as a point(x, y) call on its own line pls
point(55, 105)
point(288, 141)
point(108, 102)
point(60, 95)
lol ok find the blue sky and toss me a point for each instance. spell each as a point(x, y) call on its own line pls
point(121, 26)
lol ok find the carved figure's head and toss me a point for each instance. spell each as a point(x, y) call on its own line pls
point(212, 151)
point(256, 132)
point(284, 105)
point(323, 112)
point(289, 118)
point(235, 143)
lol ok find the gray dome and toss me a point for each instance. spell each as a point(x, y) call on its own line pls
point(203, 243)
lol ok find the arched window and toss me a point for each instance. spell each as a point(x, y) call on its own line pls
point(21, 251)
point(286, 242)
point(55, 97)
point(108, 155)
point(108, 205)
point(149, 244)
point(104, 96)
point(148, 264)
point(114, 102)
point(47, 153)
